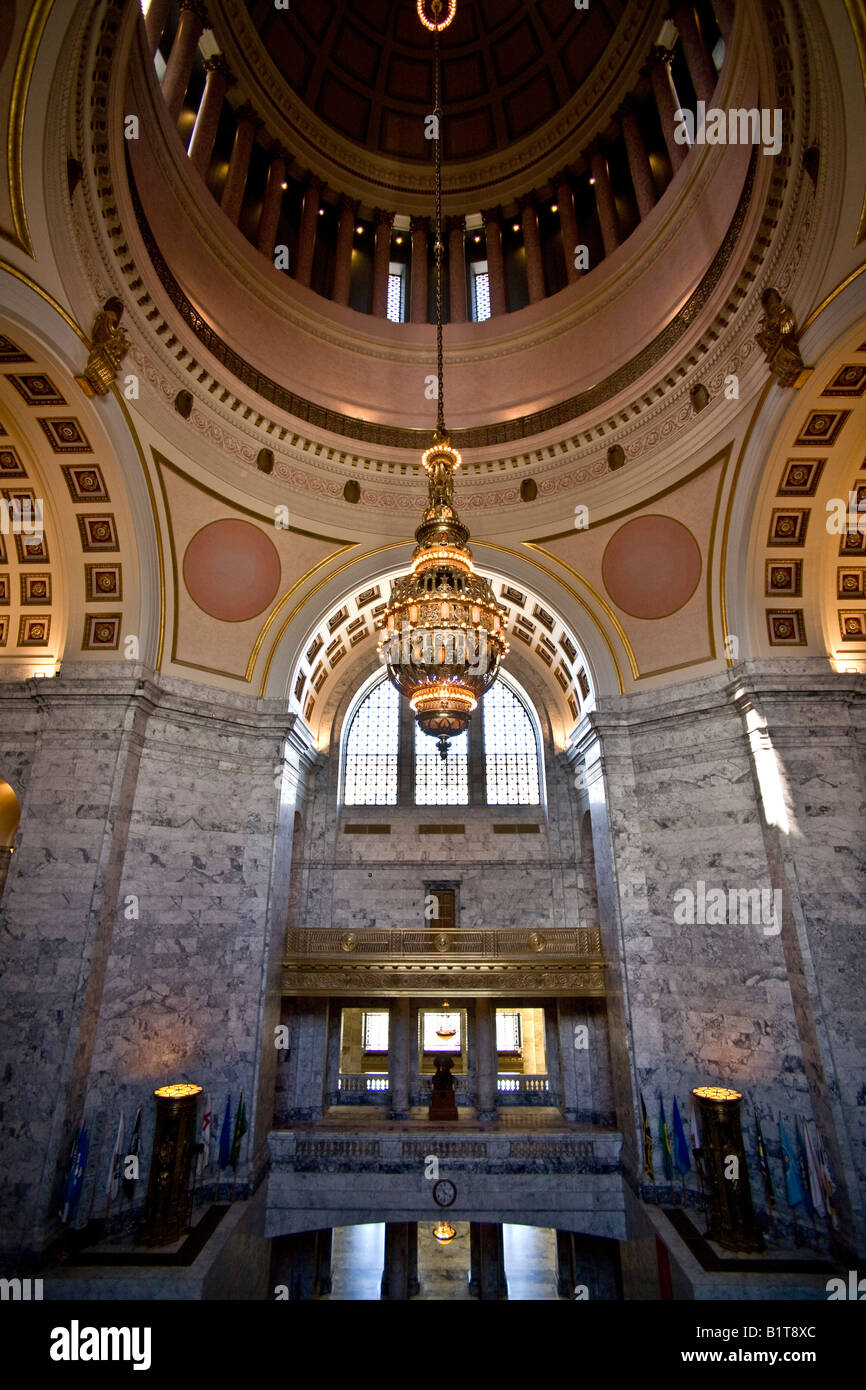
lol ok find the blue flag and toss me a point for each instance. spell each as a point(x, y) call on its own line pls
point(793, 1186)
point(681, 1148)
point(803, 1169)
point(226, 1135)
point(665, 1141)
point(75, 1177)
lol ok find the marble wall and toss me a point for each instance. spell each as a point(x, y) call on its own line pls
point(144, 916)
point(696, 788)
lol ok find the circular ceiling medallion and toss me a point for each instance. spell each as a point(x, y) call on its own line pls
point(231, 570)
point(651, 566)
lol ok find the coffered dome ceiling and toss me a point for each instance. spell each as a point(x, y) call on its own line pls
point(508, 67)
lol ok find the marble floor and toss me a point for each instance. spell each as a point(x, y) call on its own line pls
point(443, 1270)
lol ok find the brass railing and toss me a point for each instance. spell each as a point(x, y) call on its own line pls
point(432, 943)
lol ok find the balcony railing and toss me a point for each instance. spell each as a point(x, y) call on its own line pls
point(473, 943)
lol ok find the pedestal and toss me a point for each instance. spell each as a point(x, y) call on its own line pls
point(442, 1106)
point(731, 1216)
point(168, 1196)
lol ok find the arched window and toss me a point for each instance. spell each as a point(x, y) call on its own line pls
point(510, 750)
point(441, 781)
point(372, 746)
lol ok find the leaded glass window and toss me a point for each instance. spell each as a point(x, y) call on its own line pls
point(510, 752)
point(371, 749)
point(441, 781)
point(396, 294)
point(481, 294)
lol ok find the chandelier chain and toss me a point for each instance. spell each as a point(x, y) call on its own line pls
point(439, 247)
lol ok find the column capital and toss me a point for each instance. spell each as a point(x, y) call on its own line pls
point(383, 216)
point(217, 63)
point(420, 224)
point(627, 107)
point(278, 151)
point(247, 112)
point(455, 224)
point(314, 181)
point(661, 56)
point(564, 179)
point(595, 147)
point(198, 7)
point(528, 200)
point(345, 202)
point(489, 215)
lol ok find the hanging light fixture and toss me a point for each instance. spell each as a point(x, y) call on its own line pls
point(443, 633)
point(444, 1232)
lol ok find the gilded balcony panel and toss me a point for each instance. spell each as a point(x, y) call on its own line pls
point(377, 961)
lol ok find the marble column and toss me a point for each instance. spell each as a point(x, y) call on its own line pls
point(532, 246)
point(724, 12)
point(398, 1059)
point(301, 1264)
point(204, 133)
point(307, 231)
point(604, 199)
point(155, 21)
point(487, 1062)
point(698, 60)
point(495, 262)
point(400, 1274)
point(568, 224)
point(638, 159)
point(565, 1268)
point(456, 227)
point(193, 17)
point(308, 1060)
point(487, 1261)
point(345, 247)
point(273, 200)
point(666, 103)
point(239, 164)
point(420, 278)
point(381, 261)
point(565, 1041)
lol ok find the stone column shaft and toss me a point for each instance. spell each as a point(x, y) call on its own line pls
point(487, 1257)
point(605, 202)
point(568, 225)
point(381, 262)
point(457, 270)
point(155, 21)
point(272, 201)
point(182, 56)
point(307, 233)
point(487, 1061)
point(638, 163)
point(419, 292)
point(239, 164)
point(345, 247)
point(532, 246)
point(400, 1275)
point(398, 1059)
point(660, 77)
point(207, 121)
point(698, 60)
point(495, 263)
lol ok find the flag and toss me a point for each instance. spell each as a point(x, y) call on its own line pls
point(694, 1127)
point(814, 1168)
point(112, 1186)
point(792, 1174)
point(240, 1131)
point(75, 1175)
point(647, 1142)
point(827, 1183)
point(134, 1150)
point(803, 1168)
point(665, 1141)
point(225, 1135)
point(681, 1148)
point(205, 1138)
point(763, 1163)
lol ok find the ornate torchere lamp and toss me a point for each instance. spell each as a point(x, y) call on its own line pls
point(731, 1215)
point(167, 1215)
point(443, 633)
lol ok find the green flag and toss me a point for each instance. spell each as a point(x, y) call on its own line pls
point(240, 1131)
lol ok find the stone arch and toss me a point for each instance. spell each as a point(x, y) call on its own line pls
point(10, 816)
